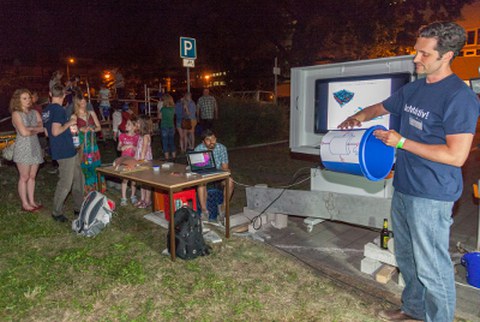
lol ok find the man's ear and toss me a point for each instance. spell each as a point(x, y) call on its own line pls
point(448, 56)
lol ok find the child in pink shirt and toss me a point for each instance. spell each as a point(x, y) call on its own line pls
point(144, 153)
point(127, 145)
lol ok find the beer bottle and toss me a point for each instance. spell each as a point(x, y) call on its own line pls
point(384, 235)
point(75, 137)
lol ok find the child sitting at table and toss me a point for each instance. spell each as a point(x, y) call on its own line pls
point(144, 153)
point(127, 145)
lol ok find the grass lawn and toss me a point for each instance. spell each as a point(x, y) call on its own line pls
point(47, 273)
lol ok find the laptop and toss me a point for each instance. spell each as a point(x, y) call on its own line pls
point(475, 85)
point(202, 162)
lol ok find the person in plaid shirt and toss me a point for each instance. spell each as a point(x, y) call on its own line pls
point(209, 142)
point(207, 110)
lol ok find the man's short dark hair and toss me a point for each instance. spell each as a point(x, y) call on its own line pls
point(450, 36)
point(57, 90)
point(206, 133)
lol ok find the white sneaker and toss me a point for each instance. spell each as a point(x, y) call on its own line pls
point(204, 215)
point(123, 202)
point(221, 215)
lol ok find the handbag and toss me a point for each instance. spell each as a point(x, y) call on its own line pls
point(186, 124)
point(7, 152)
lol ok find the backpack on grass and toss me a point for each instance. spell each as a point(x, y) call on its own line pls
point(94, 215)
point(189, 242)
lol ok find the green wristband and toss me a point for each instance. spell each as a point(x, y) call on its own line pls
point(400, 143)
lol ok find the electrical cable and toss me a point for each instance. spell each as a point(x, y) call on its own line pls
point(258, 218)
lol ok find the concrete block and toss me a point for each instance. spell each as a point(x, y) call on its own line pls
point(238, 220)
point(242, 218)
point(280, 221)
point(270, 216)
point(385, 273)
point(259, 224)
point(372, 251)
point(369, 266)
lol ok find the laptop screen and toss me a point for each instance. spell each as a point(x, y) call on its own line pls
point(201, 160)
point(475, 85)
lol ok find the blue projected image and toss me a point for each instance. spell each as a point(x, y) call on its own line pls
point(343, 97)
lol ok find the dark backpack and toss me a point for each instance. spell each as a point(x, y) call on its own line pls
point(189, 242)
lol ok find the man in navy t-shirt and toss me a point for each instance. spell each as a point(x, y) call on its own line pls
point(438, 116)
point(63, 151)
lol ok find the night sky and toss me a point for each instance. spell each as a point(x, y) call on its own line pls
point(99, 29)
point(241, 34)
point(125, 30)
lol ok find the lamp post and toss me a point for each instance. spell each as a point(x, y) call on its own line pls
point(70, 60)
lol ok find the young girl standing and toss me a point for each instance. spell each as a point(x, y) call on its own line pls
point(127, 145)
point(144, 153)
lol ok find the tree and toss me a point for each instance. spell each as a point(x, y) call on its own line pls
point(361, 29)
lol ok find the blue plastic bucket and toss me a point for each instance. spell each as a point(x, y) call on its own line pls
point(471, 261)
point(357, 152)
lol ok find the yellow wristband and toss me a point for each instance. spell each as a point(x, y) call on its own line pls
point(400, 143)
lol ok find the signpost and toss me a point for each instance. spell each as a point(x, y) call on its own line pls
point(188, 51)
point(276, 72)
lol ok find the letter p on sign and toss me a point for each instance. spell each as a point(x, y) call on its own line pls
point(188, 48)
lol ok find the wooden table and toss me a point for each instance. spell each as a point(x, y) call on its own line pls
point(171, 180)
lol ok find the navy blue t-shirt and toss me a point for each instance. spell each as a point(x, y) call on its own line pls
point(61, 146)
point(428, 113)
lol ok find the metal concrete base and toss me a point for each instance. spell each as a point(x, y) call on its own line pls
point(357, 210)
point(311, 221)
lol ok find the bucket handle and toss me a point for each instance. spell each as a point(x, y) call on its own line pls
point(463, 261)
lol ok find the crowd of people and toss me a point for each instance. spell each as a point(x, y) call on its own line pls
point(66, 126)
point(431, 148)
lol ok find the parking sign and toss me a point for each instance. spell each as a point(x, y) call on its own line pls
point(188, 48)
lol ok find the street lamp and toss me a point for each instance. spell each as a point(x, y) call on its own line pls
point(70, 60)
point(207, 79)
point(107, 76)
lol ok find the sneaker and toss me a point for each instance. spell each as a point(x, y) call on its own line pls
point(138, 203)
point(60, 218)
point(133, 200)
point(204, 215)
point(123, 202)
point(221, 215)
point(144, 205)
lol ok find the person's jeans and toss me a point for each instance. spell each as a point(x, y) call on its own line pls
point(168, 142)
point(70, 178)
point(421, 230)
